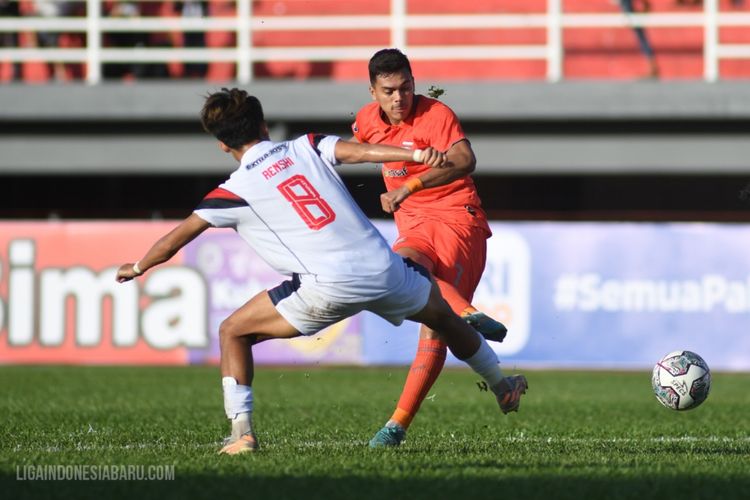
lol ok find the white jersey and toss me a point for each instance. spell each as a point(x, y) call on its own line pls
point(289, 204)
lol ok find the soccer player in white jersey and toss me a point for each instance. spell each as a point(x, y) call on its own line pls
point(289, 204)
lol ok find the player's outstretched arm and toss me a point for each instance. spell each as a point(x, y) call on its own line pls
point(164, 248)
point(354, 152)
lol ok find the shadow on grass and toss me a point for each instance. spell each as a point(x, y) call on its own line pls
point(348, 487)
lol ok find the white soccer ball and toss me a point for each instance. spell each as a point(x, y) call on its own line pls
point(681, 380)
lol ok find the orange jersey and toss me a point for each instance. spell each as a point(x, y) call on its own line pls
point(431, 124)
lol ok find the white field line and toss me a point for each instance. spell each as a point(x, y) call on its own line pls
point(358, 444)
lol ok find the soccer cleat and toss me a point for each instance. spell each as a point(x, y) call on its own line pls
point(489, 328)
point(388, 437)
point(509, 392)
point(246, 443)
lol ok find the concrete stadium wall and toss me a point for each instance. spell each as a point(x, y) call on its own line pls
point(516, 128)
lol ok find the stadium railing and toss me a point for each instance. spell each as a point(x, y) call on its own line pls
point(554, 21)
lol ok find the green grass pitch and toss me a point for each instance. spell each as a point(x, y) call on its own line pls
point(578, 435)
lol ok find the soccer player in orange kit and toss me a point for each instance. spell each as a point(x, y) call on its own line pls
point(438, 214)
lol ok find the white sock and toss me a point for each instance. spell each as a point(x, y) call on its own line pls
point(238, 405)
point(237, 398)
point(485, 363)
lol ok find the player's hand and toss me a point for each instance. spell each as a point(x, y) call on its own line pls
point(391, 200)
point(126, 273)
point(434, 158)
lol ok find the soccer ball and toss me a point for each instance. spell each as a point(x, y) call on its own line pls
point(681, 380)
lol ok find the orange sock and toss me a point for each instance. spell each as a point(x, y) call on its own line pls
point(453, 297)
point(423, 372)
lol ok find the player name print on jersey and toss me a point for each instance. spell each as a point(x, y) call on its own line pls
point(277, 167)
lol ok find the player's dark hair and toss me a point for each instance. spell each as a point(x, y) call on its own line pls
point(233, 117)
point(388, 62)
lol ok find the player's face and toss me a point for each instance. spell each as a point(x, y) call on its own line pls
point(395, 94)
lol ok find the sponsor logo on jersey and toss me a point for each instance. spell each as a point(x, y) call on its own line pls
point(400, 172)
point(270, 152)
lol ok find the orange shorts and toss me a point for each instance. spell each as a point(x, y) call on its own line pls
point(458, 252)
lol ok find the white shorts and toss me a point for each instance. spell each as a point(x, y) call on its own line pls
point(309, 306)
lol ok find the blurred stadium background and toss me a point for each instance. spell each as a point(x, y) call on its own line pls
point(605, 171)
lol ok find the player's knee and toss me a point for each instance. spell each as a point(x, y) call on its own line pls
point(228, 328)
point(446, 315)
point(449, 321)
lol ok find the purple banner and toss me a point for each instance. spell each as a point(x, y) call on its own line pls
point(602, 295)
